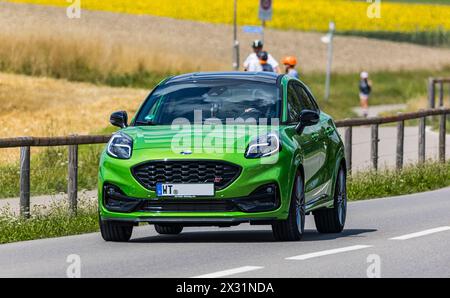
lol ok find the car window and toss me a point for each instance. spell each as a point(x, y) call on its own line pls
point(304, 98)
point(212, 99)
point(293, 104)
point(312, 99)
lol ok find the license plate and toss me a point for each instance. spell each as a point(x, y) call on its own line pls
point(185, 190)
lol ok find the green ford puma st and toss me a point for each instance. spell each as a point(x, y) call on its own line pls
point(220, 149)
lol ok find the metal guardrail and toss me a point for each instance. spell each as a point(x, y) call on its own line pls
point(74, 141)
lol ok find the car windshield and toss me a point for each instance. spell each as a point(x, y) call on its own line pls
point(211, 99)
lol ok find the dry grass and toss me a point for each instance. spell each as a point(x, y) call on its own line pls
point(50, 53)
point(113, 43)
point(49, 107)
point(99, 47)
point(43, 106)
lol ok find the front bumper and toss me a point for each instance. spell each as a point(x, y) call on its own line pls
point(196, 221)
point(265, 198)
point(237, 203)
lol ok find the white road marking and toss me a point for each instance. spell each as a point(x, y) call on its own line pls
point(422, 233)
point(229, 272)
point(328, 252)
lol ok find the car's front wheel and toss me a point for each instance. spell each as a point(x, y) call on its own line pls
point(293, 227)
point(115, 231)
point(168, 229)
point(333, 220)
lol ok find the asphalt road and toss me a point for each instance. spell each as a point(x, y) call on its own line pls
point(406, 236)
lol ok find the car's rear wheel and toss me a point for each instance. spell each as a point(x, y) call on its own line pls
point(168, 229)
point(293, 227)
point(115, 231)
point(333, 220)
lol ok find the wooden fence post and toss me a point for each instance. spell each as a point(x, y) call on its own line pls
point(422, 124)
point(348, 148)
point(374, 149)
point(72, 183)
point(400, 144)
point(441, 94)
point(431, 93)
point(442, 135)
point(25, 182)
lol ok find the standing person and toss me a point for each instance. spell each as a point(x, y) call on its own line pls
point(253, 59)
point(365, 88)
point(290, 62)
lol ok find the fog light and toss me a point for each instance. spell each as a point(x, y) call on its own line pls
point(116, 201)
point(265, 198)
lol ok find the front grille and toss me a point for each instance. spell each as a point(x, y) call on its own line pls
point(188, 206)
point(220, 173)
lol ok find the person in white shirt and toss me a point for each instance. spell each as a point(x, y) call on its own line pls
point(252, 63)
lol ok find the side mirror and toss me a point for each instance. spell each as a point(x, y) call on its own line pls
point(307, 118)
point(119, 119)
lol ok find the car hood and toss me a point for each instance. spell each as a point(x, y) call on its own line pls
point(166, 137)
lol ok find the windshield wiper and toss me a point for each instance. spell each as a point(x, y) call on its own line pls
point(145, 123)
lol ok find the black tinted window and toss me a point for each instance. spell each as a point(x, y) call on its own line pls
point(218, 99)
point(305, 101)
point(293, 104)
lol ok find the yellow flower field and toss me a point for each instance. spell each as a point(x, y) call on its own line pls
point(288, 14)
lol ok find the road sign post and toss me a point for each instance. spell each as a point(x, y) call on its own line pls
point(265, 14)
point(328, 39)
point(236, 57)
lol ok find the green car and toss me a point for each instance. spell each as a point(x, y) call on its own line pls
point(221, 149)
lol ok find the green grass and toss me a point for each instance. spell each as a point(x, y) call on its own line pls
point(411, 179)
point(80, 71)
point(388, 88)
point(50, 222)
point(439, 38)
point(48, 171)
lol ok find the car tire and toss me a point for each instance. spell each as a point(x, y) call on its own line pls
point(115, 231)
point(168, 229)
point(293, 227)
point(333, 220)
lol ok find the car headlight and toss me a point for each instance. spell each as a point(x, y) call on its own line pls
point(120, 146)
point(263, 146)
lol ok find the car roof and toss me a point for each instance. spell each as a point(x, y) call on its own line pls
point(266, 77)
